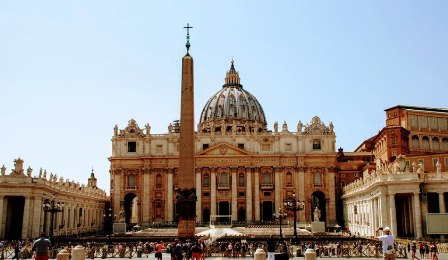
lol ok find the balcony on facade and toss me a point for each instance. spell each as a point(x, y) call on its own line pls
point(267, 186)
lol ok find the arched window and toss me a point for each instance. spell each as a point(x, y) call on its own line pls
point(415, 142)
point(206, 181)
point(241, 181)
point(131, 180)
point(317, 178)
point(316, 144)
point(435, 143)
point(159, 181)
point(425, 143)
point(288, 179)
point(445, 144)
point(267, 178)
point(224, 179)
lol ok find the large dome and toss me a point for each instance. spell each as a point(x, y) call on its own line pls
point(232, 109)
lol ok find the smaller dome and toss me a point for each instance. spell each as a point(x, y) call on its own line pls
point(232, 109)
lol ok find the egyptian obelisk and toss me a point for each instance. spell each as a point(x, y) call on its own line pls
point(186, 192)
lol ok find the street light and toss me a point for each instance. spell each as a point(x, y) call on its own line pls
point(53, 208)
point(108, 218)
point(280, 215)
point(293, 204)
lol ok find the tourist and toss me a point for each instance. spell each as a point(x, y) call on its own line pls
point(41, 246)
point(434, 251)
point(271, 247)
point(414, 250)
point(196, 251)
point(159, 248)
point(387, 240)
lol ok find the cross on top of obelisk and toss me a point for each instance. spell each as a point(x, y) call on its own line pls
point(188, 27)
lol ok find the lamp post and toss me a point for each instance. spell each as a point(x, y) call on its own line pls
point(295, 205)
point(280, 215)
point(53, 207)
point(108, 220)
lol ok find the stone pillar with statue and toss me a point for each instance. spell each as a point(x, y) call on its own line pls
point(317, 225)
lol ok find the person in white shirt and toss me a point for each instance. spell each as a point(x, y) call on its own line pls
point(388, 241)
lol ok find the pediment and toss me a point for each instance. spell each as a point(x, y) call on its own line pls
point(223, 149)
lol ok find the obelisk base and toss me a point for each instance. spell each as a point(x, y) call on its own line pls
point(186, 228)
point(186, 218)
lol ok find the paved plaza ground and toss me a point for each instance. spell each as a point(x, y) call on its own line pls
point(442, 256)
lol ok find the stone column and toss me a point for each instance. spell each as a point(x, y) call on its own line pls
point(117, 173)
point(331, 213)
point(257, 194)
point(441, 207)
point(383, 210)
point(234, 195)
point(393, 215)
point(418, 215)
point(249, 216)
point(213, 194)
point(441, 203)
point(26, 218)
point(170, 196)
point(146, 202)
point(375, 214)
point(198, 195)
point(2, 218)
point(36, 217)
point(278, 202)
point(301, 193)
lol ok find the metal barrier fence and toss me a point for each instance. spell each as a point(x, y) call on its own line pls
point(121, 250)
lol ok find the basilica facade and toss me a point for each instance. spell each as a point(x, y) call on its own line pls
point(244, 170)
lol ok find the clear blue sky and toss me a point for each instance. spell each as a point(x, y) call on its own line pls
point(71, 70)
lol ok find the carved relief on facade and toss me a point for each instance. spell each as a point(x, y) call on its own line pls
point(316, 127)
point(132, 130)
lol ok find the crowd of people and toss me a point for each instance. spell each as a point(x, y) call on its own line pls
point(43, 249)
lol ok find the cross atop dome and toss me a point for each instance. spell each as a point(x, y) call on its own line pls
point(188, 27)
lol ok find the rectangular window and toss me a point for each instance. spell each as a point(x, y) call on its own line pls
point(241, 146)
point(433, 123)
point(443, 124)
point(241, 194)
point(204, 146)
point(413, 122)
point(206, 194)
point(265, 147)
point(446, 161)
point(423, 122)
point(159, 148)
point(288, 147)
point(393, 140)
point(132, 147)
point(267, 193)
point(434, 161)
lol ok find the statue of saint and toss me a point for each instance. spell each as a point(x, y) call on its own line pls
point(29, 171)
point(299, 127)
point(3, 170)
point(276, 126)
point(438, 167)
point(316, 214)
point(116, 130)
point(170, 128)
point(148, 129)
point(121, 216)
